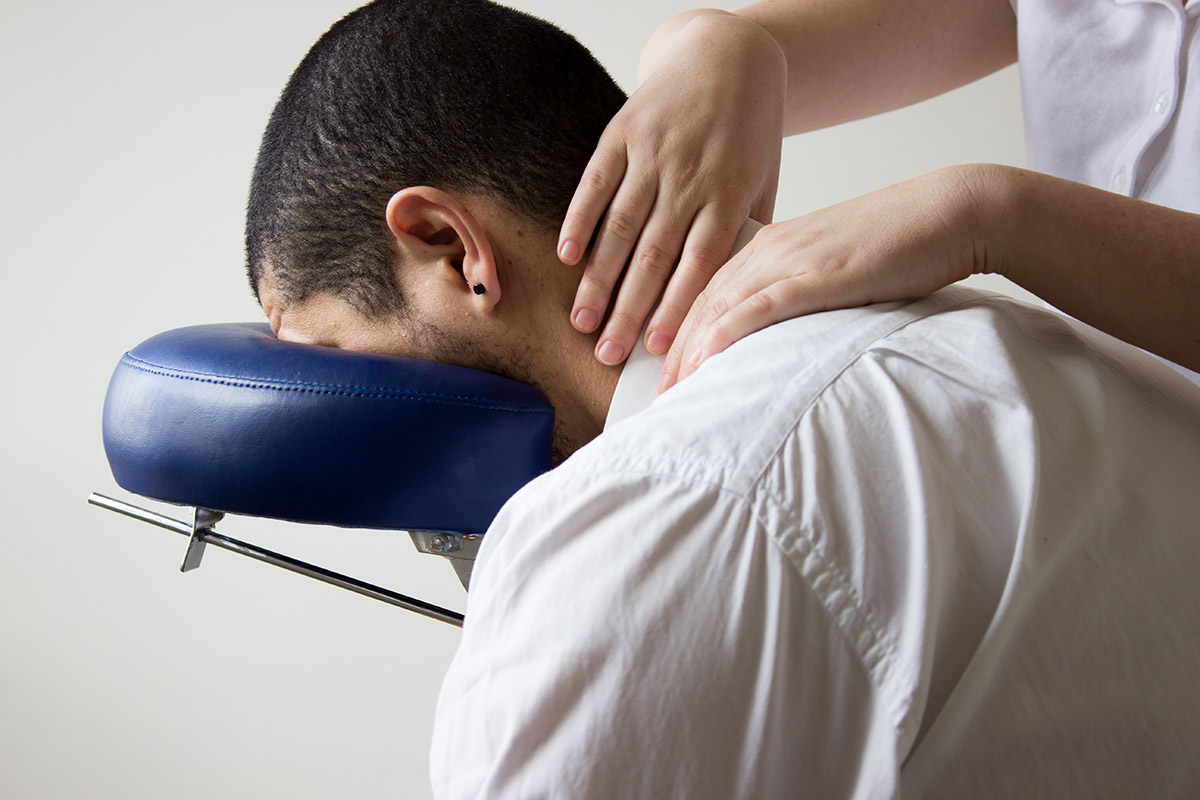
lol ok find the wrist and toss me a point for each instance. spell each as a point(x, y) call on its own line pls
point(739, 39)
point(987, 194)
point(664, 38)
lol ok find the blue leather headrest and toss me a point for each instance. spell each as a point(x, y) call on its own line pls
point(230, 418)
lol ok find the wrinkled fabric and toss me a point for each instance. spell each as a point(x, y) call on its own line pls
point(945, 548)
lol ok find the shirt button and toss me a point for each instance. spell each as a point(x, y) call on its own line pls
point(1119, 182)
point(1160, 103)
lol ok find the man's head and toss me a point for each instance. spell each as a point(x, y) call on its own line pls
point(424, 151)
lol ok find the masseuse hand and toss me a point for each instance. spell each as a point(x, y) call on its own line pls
point(903, 241)
point(693, 153)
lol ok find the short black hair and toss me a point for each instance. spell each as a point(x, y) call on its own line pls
point(462, 95)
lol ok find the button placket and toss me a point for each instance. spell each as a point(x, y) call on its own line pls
point(1128, 165)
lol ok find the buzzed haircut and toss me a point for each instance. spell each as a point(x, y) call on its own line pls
point(461, 95)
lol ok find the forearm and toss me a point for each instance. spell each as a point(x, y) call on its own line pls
point(849, 59)
point(845, 59)
point(1125, 266)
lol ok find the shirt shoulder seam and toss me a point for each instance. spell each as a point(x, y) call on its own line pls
point(825, 581)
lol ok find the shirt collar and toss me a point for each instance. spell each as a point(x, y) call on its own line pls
point(638, 385)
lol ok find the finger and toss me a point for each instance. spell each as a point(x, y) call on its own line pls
point(707, 307)
point(597, 187)
point(708, 245)
point(648, 272)
point(670, 372)
point(618, 234)
point(780, 301)
point(722, 291)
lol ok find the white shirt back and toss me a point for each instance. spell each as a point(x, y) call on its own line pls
point(948, 547)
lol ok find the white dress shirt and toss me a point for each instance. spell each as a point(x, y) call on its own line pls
point(946, 548)
point(1111, 90)
point(1111, 94)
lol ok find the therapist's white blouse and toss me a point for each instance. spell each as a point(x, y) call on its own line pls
point(1111, 93)
point(1111, 90)
point(949, 548)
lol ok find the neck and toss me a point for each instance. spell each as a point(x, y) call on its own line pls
point(578, 386)
point(529, 336)
point(542, 347)
point(550, 354)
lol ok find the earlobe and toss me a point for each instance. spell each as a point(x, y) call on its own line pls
point(434, 228)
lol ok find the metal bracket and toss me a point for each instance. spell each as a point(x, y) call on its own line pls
point(459, 548)
point(201, 533)
point(203, 521)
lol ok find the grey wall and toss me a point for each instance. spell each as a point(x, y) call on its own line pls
point(129, 131)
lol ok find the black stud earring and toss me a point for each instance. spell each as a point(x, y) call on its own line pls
point(479, 288)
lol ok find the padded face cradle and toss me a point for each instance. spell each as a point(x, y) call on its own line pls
point(228, 417)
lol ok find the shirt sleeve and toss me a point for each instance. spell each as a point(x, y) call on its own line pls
point(632, 635)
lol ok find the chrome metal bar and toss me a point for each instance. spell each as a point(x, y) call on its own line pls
point(144, 514)
point(280, 560)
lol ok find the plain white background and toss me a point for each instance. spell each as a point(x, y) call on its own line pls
point(129, 131)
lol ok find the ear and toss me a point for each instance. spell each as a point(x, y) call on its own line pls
point(436, 230)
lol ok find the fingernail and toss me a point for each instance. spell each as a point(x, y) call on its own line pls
point(657, 343)
point(665, 383)
point(694, 359)
point(568, 251)
point(586, 320)
point(611, 353)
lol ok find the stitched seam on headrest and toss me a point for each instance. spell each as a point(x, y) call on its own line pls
point(320, 388)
